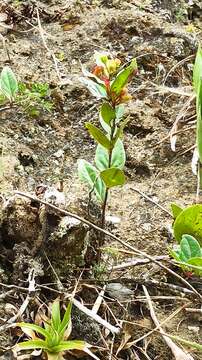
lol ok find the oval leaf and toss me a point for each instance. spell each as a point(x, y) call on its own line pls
point(119, 112)
point(189, 221)
point(106, 127)
point(123, 77)
point(190, 247)
point(118, 157)
point(176, 210)
point(8, 83)
point(107, 112)
point(89, 174)
point(97, 90)
point(113, 177)
point(98, 135)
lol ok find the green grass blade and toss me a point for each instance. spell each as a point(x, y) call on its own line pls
point(31, 345)
point(69, 345)
point(66, 319)
point(55, 315)
point(34, 327)
point(186, 342)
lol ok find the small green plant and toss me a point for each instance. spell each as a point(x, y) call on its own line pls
point(32, 97)
point(107, 82)
point(187, 228)
point(188, 255)
point(55, 333)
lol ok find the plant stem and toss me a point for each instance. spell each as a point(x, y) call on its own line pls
point(109, 165)
point(199, 187)
point(104, 208)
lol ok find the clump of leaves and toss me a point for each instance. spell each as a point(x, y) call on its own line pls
point(108, 82)
point(187, 228)
point(188, 255)
point(32, 97)
point(55, 334)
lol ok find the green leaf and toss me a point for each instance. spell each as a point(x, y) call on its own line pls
point(197, 70)
point(119, 112)
point(106, 127)
point(32, 344)
point(189, 221)
point(69, 345)
point(107, 112)
point(176, 210)
point(66, 321)
point(113, 177)
point(34, 327)
point(175, 254)
point(190, 247)
point(186, 342)
point(98, 135)
point(118, 156)
point(196, 263)
point(123, 77)
point(197, 83)
point(97, 90)
point(8, 83)
point(55, 315)
point(199, 122)
point(89, 174)
point(117, 135)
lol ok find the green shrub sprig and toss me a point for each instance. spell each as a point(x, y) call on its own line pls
point(107, 81)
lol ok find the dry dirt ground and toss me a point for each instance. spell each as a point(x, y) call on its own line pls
point(163, 36)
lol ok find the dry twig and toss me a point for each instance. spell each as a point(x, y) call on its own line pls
point(107, 233)
point(178, 353)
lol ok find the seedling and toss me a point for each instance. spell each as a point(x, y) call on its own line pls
point(107, 82)
point(31, 97)
point(34, 97)
point(187, 230)
point(55, 334)
point(188, 255)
